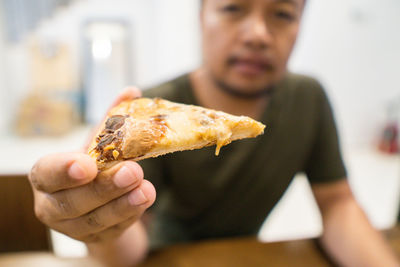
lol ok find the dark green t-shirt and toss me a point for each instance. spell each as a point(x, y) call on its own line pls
point(202, 196)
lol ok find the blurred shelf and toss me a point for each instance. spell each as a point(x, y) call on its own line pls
point(19, 154)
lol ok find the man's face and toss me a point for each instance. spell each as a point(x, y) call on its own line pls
point(247, 43)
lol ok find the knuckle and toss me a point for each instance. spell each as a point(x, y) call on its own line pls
point(102, 187)
point(64, 205)
point(93, 221)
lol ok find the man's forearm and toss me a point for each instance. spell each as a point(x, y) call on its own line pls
point(127, 250)
point(351, 240)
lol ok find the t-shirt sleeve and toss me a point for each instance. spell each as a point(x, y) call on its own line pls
point(325, 163)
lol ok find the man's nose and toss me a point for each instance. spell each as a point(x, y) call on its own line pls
point(256, 34)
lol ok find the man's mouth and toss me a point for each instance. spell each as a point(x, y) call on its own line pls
point(251, 66)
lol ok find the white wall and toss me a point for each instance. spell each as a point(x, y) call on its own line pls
point(7, 92)
point(165, 39)
point(178, 37)
point(353, 46)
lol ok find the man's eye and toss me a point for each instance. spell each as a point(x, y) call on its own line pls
point(285, 15)
point(231, 8)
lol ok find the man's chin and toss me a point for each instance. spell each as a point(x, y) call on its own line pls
point(244, 92)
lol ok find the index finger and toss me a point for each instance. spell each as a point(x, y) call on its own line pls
point(62, 171)
point(128, 93)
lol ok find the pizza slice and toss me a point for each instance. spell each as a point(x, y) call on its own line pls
point(144, 128)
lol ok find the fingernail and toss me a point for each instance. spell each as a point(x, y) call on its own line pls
point(124, 177)
point(137, 198)
point(76, 171)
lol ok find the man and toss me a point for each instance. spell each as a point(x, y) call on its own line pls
point(246, 46)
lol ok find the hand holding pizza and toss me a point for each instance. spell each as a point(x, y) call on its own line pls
point(72, 197)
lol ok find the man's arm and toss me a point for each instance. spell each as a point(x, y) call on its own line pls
point(348, 236)
point(127, 250)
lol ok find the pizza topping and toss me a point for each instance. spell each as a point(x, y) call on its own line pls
point(107, 145)
point(110, 138)
point(205, 122)
point(213, 115)
point(109, 155)
point(218, 147)
point(104, 141)
point(223, 141)
point(115, 154)
point(115, 122)
point(159, 117)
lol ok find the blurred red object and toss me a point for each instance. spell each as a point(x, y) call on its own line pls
point(389, 142)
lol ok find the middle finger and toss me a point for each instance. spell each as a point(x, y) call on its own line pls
point(107, 186)
point(130, 206)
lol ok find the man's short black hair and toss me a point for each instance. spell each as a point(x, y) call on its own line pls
point(202, 2)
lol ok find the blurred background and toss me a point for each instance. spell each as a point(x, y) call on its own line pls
point(63, 61)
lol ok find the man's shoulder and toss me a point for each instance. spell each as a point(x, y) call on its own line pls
point(304, 85)
point(304, 81)
point(172, 90)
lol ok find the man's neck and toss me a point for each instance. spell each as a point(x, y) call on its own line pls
point(209, 95)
